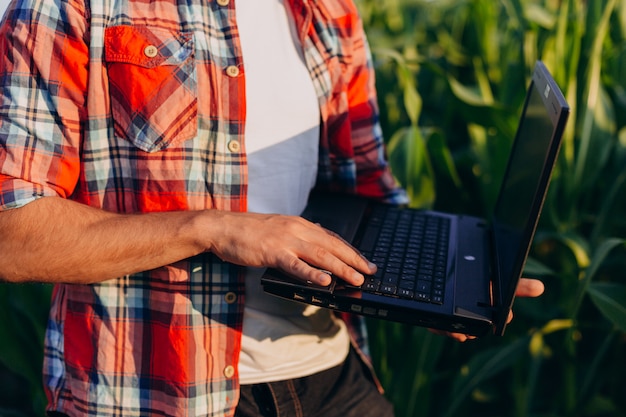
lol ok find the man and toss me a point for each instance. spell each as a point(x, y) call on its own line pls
point(144, 148)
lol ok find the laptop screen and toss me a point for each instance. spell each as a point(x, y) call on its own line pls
point(526, 179)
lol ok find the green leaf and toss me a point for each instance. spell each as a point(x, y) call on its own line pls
point(598, 258)
point(468, 95)
point(601, 406)
point(540, 16)
point(534, 268)
point(610, 299)
point(593, 88)
point(579, 247)
point(483, 366)
point(409, 158)
point(412, 103)
point(600, 254)
point(442, 157)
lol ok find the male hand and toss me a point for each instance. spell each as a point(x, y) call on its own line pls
point(289, 243)
point(525, 288)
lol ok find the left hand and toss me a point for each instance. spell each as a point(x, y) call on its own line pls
point(525, 288)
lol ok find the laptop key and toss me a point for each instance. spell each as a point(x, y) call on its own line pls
point(371, 285)
point(388, 289)
point(406, 283)
point(390, 279)
point(437, 299)
point(422, 296)
point(405, 293)
point(423, 286)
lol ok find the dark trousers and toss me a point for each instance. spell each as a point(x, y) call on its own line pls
point(343, 391)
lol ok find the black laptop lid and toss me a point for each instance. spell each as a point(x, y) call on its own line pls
point(525, 183)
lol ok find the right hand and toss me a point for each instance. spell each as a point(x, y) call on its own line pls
point(289, 243)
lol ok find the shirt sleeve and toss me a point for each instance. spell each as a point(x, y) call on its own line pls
point(374, 176)
point(43, 77)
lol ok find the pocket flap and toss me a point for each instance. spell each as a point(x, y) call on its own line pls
point(146, 46)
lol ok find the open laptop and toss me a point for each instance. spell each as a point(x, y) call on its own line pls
point(445, 271)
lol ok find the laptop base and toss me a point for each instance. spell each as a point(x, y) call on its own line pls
point(345, 301)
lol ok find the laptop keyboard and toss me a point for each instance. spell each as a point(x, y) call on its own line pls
point(410, 248)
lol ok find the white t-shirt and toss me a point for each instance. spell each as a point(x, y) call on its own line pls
point(3, 6)
point(281, 339)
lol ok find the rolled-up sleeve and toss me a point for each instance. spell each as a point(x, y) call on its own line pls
point(43, 73)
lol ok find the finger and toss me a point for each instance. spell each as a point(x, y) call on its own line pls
point(336, 263)
point(529, 288)
point(330, 252)
point(352, 257)
point(300, 269)
point(510, 317)
point(459, 337)
point(305, 250)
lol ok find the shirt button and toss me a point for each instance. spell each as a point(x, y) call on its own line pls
point(223, 2)
point(234, 146)
point(232, 71)
point(229, 371)
point(150, 51)
point(230, 297)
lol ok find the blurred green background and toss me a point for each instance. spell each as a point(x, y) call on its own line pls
point(451, 79)
point(451, 76)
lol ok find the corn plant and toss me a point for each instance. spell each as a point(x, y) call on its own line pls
point(451, 78)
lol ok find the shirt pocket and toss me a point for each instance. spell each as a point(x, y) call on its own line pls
point(152, 85)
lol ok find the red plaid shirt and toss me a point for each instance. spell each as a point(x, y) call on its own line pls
point(137, 107)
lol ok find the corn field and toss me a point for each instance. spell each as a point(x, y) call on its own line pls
point(452, 77)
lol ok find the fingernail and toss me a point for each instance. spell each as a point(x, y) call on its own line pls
point(358, 278)
point(324, 279)
point(372, 266)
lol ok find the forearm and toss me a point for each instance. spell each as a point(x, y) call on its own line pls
point(57, 240)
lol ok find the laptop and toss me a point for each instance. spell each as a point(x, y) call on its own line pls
point(445, 271)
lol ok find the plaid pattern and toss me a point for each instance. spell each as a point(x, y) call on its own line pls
point(153, 91)
point(130, 107)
